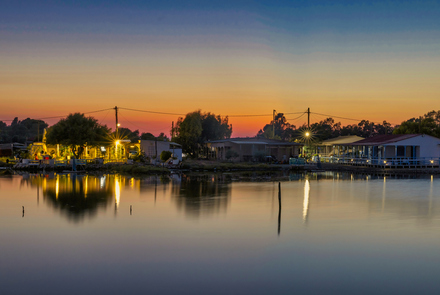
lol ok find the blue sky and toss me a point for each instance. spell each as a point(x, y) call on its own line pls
point(254, 55)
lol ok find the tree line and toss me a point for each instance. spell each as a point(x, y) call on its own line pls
point(326, 129)
point(193, 130)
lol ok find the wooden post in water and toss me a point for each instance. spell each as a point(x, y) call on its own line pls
point(131, 210)
point(23, 211)
point(279, 208)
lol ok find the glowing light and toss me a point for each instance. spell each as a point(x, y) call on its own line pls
point(117, 192)
point(119, 124)
point(432, 162)
point(86, 187)
point(117, 142)
point(384, 162)
point(307, 134)
point(102, 182)
point(57, 187)
point(306, 200)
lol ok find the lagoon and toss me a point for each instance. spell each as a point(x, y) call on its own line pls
point(219, 234)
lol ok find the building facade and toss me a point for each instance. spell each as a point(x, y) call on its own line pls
point(254, 149)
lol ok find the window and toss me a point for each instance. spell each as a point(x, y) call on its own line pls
point(400, 151)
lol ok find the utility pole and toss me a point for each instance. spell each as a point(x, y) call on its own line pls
point(117, 124)
point(308, 118)
point(273, 124)
point(172, 129)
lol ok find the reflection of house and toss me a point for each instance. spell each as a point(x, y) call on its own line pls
point(330, 146)
point(249, 149)
point(153, 148)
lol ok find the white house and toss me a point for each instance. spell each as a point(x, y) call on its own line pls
point(398, 150)
point(390, 146)
point(153, 148)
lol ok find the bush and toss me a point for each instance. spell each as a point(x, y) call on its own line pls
point(231, 154)
point(165, 155)
point(260, 156)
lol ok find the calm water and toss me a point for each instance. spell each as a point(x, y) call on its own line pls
point(219, 234)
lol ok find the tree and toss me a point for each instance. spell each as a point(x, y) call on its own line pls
point(189, 132)
point(165, 155)
point(326, 129)
point(419, 126)
point(428, 124)
point(77, 131)
point(125, 133)
point(147, 136)
point(283, 129)
point(215, 127)
point(21, 131)
point(196, 128)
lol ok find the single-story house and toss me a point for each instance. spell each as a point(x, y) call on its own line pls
point(329, 147)
point(153, 148)
point(249, 149)
point(394, 150)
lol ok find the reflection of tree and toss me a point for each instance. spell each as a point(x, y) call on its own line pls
point(204, 194)
point(78, 196)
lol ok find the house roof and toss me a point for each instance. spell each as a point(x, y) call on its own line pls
point(342, 140)
point(159, 141)
point(384, 139)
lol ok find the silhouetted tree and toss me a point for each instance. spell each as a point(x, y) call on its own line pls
point(126, 133)
point(428, 124)
point(196, 128)
point(21, 131)
point(283, 129)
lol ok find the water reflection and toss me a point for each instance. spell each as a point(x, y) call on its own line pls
point(306, 201)
point(75, 196)
point(197, 195)
point(202, 194)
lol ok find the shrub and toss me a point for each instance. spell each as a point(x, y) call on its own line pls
point(231, 154)
point(260, 156)
point(165, 155)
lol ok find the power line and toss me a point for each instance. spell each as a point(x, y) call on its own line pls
point(152, 112)
point(130, 122)
point(261, 115)
point(177, 114)
point(296, 117)
point(344, 118)
point(54, 117)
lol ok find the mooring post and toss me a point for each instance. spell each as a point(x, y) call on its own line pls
point(279, 193)
point(23, 211)
point(131, 209)
point(279, 208)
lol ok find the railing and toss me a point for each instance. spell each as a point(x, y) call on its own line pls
point(387, 162)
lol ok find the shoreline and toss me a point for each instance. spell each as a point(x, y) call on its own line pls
point(221, 167)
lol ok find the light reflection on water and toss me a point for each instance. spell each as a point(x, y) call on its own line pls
point(219, 233)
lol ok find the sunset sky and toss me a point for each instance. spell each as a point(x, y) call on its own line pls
point(374, 60)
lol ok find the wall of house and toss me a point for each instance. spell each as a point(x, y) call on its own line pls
point(152, 148)
point(429, 146)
